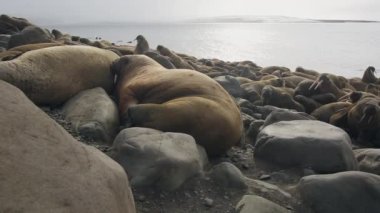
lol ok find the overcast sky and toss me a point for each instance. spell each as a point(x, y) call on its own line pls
point(74, 11)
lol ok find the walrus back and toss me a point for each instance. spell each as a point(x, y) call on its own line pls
point(52, 75)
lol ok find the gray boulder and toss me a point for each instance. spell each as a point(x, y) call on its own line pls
point(256, 204)
point(231, 85)
point(348, 192)
point(306, 144)
point(30, 35)
point(4, 39)
point(153, 158)
point(93, 114)
point(368, 160)
point(228, 175)
point(44, 169)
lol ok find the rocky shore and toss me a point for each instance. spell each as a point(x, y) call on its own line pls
point(308, 141)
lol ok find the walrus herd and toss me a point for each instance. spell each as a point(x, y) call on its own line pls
point(220, 104)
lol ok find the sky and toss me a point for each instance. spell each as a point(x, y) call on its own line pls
point(84, 11)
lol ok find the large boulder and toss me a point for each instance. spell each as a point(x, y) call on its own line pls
point(153, 158)
point(368, 160)
point(93, 114)
point(257, 204)
point(349, 192)
point(44, 169)
point(306, 144)
point(30, 35)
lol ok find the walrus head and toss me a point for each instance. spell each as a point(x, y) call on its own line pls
point(355, 96)
point(163, 50)
point(369, 75)
point(322, 80)
point(326, 85)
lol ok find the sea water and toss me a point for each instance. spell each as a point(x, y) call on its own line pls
point(340, 48)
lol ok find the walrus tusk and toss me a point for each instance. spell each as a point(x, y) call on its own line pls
point(313, 84)
point(370, 119)
point(318, 85)
point(362, 118)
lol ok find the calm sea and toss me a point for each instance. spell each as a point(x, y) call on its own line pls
point(341, 48)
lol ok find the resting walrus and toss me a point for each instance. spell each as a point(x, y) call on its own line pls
point(53, 75)
point(180, 100)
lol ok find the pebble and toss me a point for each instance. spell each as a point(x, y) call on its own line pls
point(264, 177)
point(209, 202)
point(141, 198)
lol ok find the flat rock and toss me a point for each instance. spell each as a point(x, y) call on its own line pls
point(368, 160)
point(306, 144)
point(257, 204)
point(349, 192)
point(44, 169)
point(154, 158)
point(93, 114)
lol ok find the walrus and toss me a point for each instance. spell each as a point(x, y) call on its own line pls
point(369, 75)
point(52, 75)
point(163, 60)
point(142, 45)
point(253, 89)
point(308, 103)
point(307, 71)
point(364, 119)
point(175, 59)
point(178, 100)
point(280, 97)
point(325, 85)
point(271, 69)
point(9, 55)
point(327, 111)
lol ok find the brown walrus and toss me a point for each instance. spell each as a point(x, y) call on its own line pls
point(178, 100)
point(53, 75)
point(178, 62)
point(280, 97)
point(364, 119)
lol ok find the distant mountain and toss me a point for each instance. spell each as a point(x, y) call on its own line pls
point(268, 19)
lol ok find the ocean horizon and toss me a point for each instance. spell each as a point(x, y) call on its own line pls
point(345, 49)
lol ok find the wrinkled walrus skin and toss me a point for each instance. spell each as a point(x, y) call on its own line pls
point(177, 100)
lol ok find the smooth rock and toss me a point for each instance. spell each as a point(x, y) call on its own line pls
point(256, 204)
point(306, 144)
point(368, 160)
point(30, 35)
point(153, 158)
point(44, 169)
point(231, 85)
point(348, 192)
point(92, 113)
point(228, 175)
